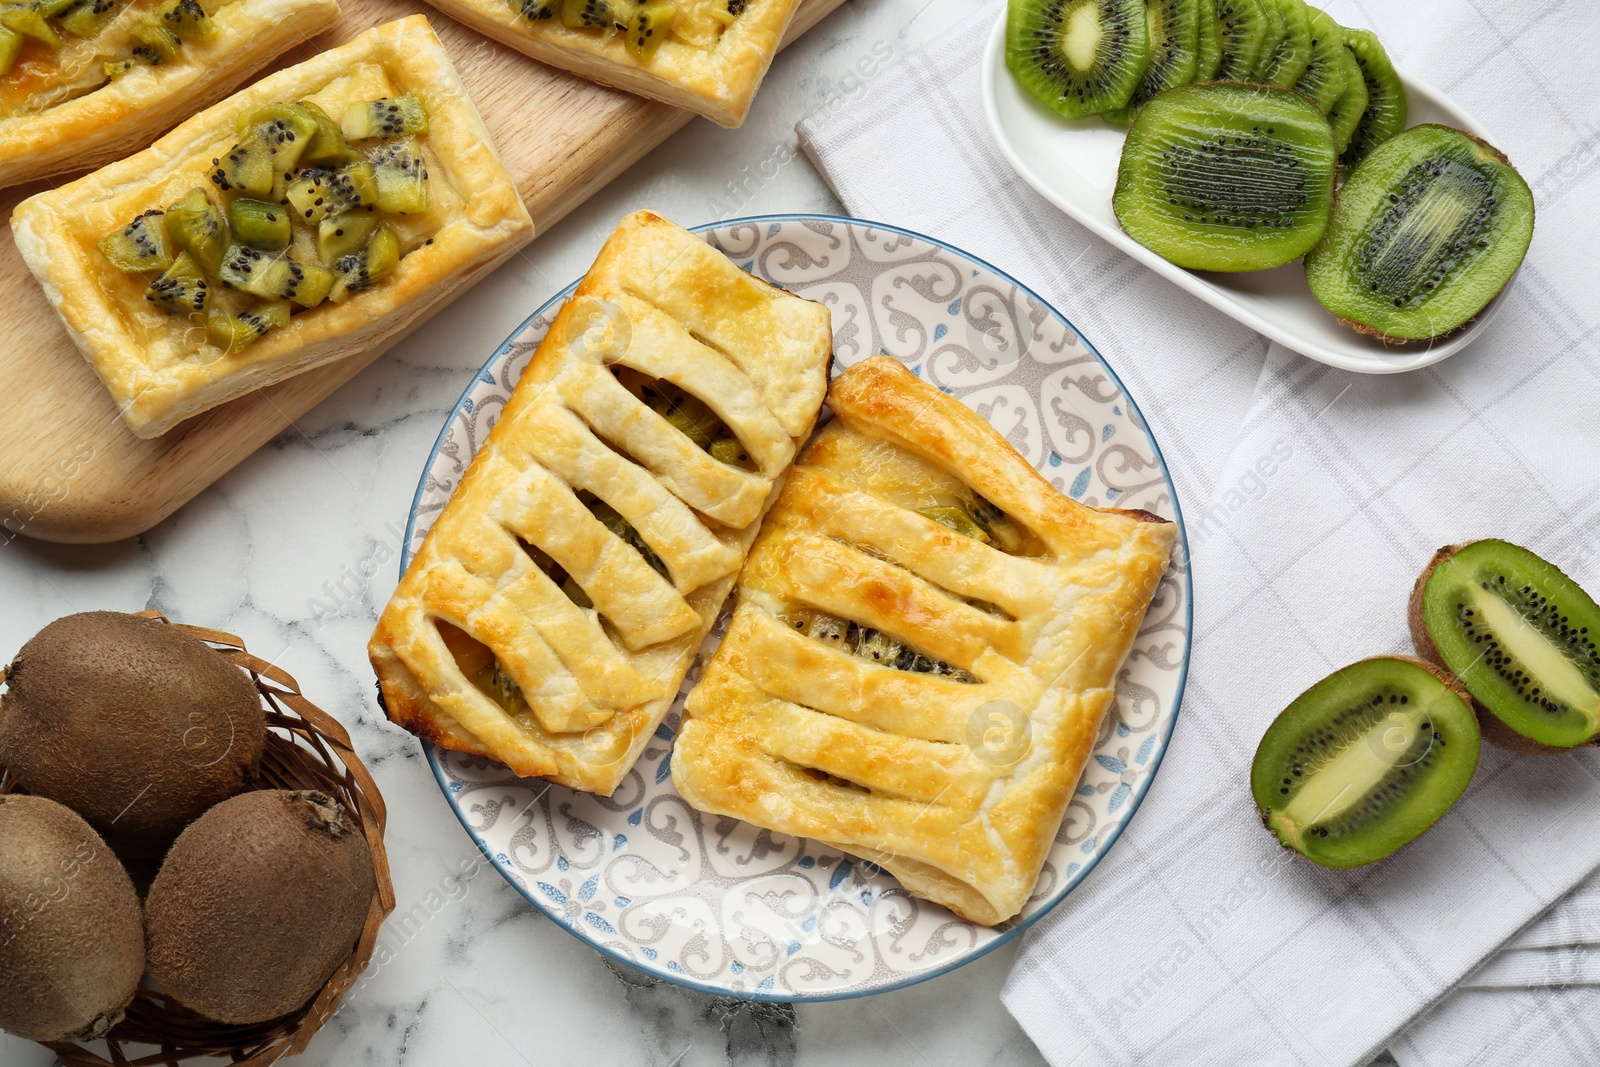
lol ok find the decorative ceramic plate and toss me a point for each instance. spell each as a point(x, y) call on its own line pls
point(1073, 164)
point(716, 904)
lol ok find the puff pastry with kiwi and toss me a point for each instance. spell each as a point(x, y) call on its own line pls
point(706, 56)
point(926, 640)
point(323, 210)
point(83, 82)
point(555, 607)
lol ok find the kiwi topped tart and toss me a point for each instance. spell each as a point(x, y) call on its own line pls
point(1227, 176)
point(1520, 635)
point(1365, 760)
point(1078, 57)
point(63, 48)
point(1429, 228)
point(302, 209)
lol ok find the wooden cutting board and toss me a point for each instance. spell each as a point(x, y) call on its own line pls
point(71, 471)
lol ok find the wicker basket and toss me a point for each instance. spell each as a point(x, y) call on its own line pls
point(306, 749)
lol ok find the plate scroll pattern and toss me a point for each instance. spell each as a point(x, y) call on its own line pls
point(719, 905)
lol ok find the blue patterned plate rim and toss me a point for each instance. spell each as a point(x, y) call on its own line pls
point(1068, 884)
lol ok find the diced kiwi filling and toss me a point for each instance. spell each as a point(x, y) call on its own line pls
point(612, 520)
point(482, 668)
point(871, 644)
point(980, 520)
point(644, 25)
point(239, 255)
point(689, 414)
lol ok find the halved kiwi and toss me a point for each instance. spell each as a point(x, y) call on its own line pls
point(1365, 760)
point(1078, 57)
point(1520, 635)
point(1428, 229)
point(1173, 29)
point(1385, 113)
point(1227, 176)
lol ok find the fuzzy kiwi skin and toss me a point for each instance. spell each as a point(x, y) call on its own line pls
point(71, 936)
point(132, 723)
point(1494, 731)
point(257, 904)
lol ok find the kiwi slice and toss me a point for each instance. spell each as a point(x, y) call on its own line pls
point(88, 17)
point(1078, 57)
point(1428, 229)
point(1365, 760)
point(1385, 113)
point(259, 225)
point(609, 15)
point(402, 178)
point(366, 268)
point(1345, 114)
point(141, 245)
point(339, 236)
point(272, 138)
point(1208, 41)
point(231, 333)
point(1173, 28)
point(307, 284)
point(1227, 176)
point(187, 19)
point(649, 27)
point(402, 116)
point(197, 228)
point(29, 20)
point(1287, 60)
point(1324, 77)
point(1244, 28)
point(182, 288)
point(1520, 635)
point(327, 146)
point(10, 47)
point(536, 10)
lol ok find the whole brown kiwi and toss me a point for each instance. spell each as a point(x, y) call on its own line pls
point(132, 723)
point(257, 904)
point(71, 939)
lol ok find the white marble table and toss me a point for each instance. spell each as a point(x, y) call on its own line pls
point(276, 552)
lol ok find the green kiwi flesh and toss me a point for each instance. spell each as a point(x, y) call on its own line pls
point(1078, 57)
point(71, 936)
point(1172, 27)
point(1519, 634)
point(1364, 761)
point(1429, 228)
point(1227, 176)
point(1324, 77)
point(1345, 114)
point(1385, 113)
point(1288, 58)
point(1208, 41)
point(1245, 28)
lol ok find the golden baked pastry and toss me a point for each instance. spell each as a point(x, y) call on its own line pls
point(430, 206)
point(557, 603)
point(61, 109)
point(706, 56)
point(926, 640)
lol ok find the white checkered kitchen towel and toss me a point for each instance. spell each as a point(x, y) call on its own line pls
point(1313, 496)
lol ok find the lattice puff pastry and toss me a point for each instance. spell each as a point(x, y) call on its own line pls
point(905, 692)
point(536, 527)
point(711, 62)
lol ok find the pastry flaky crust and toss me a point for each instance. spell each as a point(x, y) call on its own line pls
point(122, 116)
point(160, 373)
point(717, 80)
point(956, 785)
point(597, 681)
